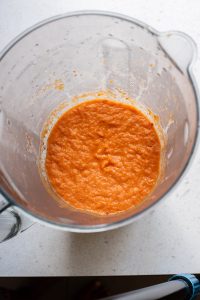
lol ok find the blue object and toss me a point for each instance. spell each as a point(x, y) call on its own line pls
point(192, 281)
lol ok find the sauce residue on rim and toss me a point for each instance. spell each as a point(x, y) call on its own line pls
point(103, 157)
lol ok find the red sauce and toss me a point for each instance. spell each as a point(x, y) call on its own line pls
point(103, 157)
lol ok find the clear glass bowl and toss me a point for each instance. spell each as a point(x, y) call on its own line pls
point(91, 51)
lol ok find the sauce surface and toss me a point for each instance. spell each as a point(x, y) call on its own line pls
point(103, 157)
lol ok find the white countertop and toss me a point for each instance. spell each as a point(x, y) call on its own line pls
point(165, 240)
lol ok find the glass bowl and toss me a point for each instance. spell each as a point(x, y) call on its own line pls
point(87, 52)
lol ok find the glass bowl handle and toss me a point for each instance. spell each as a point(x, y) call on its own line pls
point(180, 48)
point(12, 221)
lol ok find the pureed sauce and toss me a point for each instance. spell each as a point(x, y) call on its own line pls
point(103, 157)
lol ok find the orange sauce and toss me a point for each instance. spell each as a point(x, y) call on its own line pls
point(103, 157)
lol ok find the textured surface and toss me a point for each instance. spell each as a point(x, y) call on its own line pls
point(164, 240)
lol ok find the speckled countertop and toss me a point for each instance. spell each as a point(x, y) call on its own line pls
point(165, 240)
